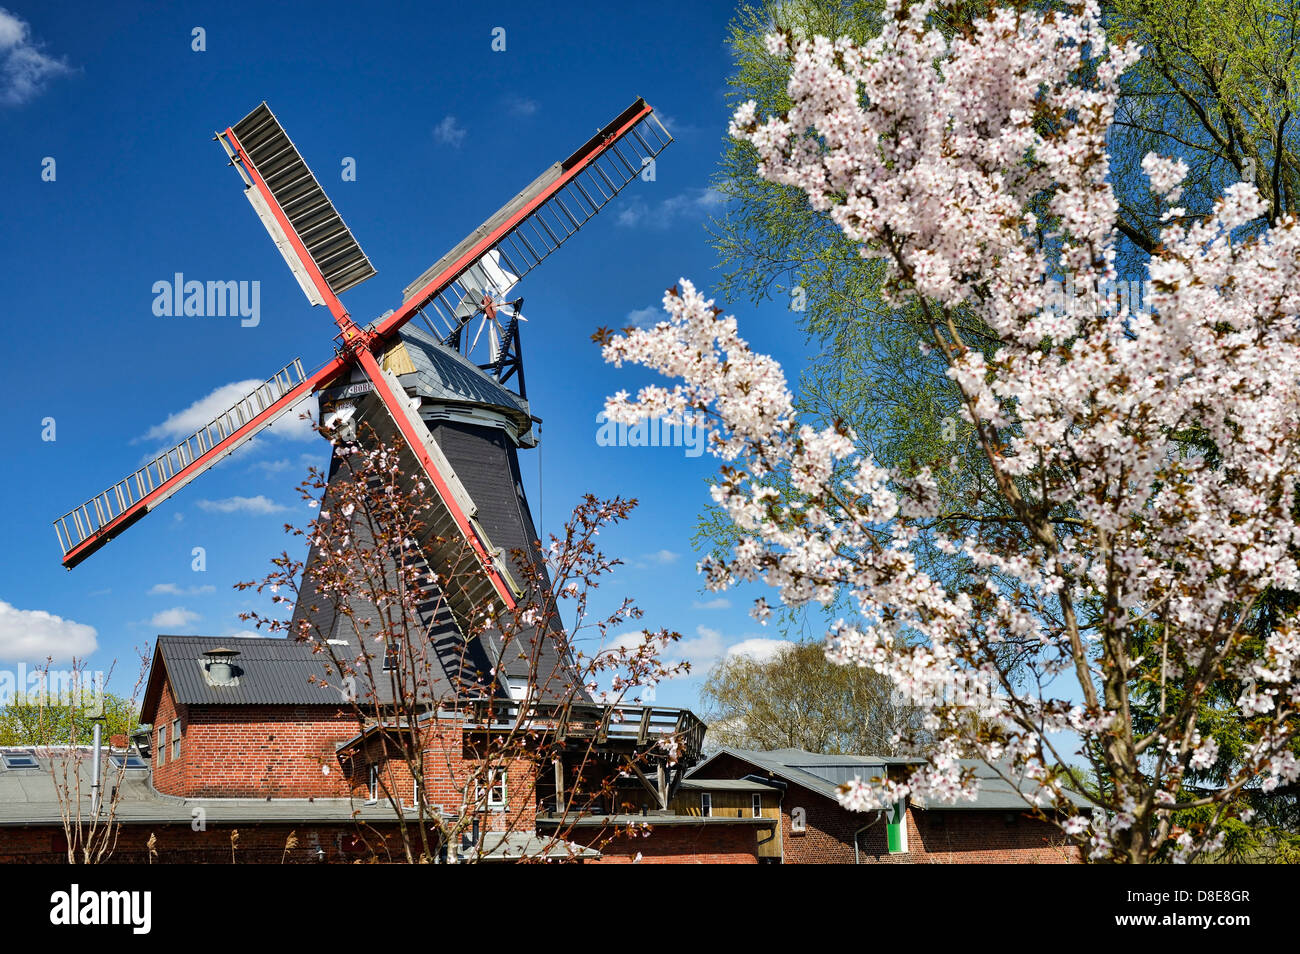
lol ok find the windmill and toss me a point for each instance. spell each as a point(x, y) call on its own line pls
point(451, 388)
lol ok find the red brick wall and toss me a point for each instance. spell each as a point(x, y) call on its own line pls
point(703, 844)
point(953, 837)
point(448, 767)
point(264, 844)
point(252, 751)
point(280, 751)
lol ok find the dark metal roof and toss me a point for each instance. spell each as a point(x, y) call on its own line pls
point(656, 820)
point(996, 793)
point(822, 773)
point(269, 671)
point(819, 772)
point(726, 785)
point(444, 374)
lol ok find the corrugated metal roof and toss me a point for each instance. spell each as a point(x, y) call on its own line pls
point(816, 772)
point(797, 766)
point(996, 793)
point(627, 821)
point(269, 672)
point(726, 785)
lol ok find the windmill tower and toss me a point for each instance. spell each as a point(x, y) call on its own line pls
point(450, 388)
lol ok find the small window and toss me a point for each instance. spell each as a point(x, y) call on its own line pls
point(162, 744)
point(497, 792)
point(20, 760)
point(372, 786)
point(706, 804)
point(176, 739)
point(758, 805)
point(390, 657)
point(132, 761)
point(415, 792)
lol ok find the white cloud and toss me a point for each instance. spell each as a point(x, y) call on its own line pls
point(709, 646)
point(38, 635)
point(171, 589)
point(720, 603)
point(645, 317)
point(685, 206)
point(184, 423)
point(706, 648)
point(178, 617)
point(244, 634)
point(272, 467)
point(658, 558)
point(521, 106)
point(259, 504)
point(24, 69)
point(626, 640)
point(758, 648)
point(676, 128)
point(449, 132)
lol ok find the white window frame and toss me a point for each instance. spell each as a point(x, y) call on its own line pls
point(756, 804)
point(372, 785)
point(162, 745)
point(706, 804)
point(497, 780)
point(176, 739)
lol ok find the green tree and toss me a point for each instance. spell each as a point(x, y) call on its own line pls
point(798, 699)
point(1216, 86)
point(59, 722)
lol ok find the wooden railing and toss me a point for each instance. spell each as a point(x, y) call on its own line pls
point(639, 725)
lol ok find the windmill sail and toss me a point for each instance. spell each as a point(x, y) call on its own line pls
point(84, 529)
point(537, 221)
point(307, 228)
point(327, 260)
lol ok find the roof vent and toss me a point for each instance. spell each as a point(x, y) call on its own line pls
point(219, 667)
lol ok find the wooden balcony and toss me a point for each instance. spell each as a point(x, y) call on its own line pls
point(620, 726)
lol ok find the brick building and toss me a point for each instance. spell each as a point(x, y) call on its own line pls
point(255, 742)
point(815, 829)
point(259, 740)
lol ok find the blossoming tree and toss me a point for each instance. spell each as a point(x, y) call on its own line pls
point(1144, 463)
point(422, 685)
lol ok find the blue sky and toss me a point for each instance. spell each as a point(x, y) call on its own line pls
point(443, 130)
